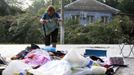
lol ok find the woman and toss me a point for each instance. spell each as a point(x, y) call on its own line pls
point(50, 21)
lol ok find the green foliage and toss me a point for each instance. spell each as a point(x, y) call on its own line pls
point(24, 27)
point(123, 5)
point(97, 33)
point(127, 6)
point(6, 9)
point(127, 29)
point(112, 3)
point(20, 29)
point(27, 30)
point(5, 23)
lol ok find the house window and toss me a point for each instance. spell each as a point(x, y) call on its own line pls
point(104, 19)
point(83, 16)
point(90, 19)
point(76, 17)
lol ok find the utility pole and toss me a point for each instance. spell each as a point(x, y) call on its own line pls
point(52, 2)
point(62, 23)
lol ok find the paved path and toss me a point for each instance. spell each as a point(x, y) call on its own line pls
point(127, 70)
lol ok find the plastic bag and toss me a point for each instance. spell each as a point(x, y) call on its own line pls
point(58, 67)
point(94, 70)
point(15, 66)
point(75, 59)
point(37, 57)
point(81, 71)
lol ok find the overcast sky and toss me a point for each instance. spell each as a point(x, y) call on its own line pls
point(27, 3)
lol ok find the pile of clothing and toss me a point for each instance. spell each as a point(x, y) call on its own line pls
point(36, 61)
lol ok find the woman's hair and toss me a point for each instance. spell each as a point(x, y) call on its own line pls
point(50, 8)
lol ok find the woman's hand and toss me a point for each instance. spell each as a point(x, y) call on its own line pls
point(42, 21)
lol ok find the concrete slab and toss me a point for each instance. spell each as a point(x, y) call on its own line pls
point(126, 70)
point(113, 50)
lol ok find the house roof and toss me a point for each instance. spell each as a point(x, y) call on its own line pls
point(90, 5)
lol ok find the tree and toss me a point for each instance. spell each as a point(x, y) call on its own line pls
point(123, 5)
point(4, 8)
point(112, 3)
point(101, 1)
point(36, 6)
point(127, 29)
point(26, 30)
point(127, 6)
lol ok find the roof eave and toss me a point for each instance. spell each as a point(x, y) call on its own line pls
point(113, 12)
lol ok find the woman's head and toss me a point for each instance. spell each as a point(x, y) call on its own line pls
point(50, 10)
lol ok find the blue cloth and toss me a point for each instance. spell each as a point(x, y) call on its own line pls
point(51, 49)
point(47, 17)
point(52, 22)
point(90, 64)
